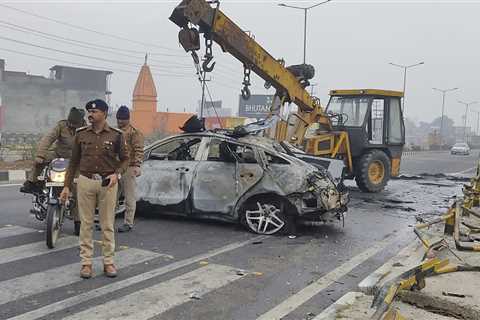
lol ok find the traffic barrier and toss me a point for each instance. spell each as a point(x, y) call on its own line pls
point(13, 175)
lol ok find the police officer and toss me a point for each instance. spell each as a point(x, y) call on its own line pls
point(100, 154)
point(134, 139)
point(57, 143)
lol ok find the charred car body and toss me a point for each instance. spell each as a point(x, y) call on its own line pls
point(251, 180)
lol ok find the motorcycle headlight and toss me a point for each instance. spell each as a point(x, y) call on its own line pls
point(57, 176)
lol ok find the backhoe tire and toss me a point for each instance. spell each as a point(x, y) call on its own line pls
point(372, 171)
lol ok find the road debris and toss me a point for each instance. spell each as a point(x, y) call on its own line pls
point(195, 296)
point(452, 294)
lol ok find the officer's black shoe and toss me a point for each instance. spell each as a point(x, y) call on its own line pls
point(125, 228)
point(77, 227)
point(29, 187)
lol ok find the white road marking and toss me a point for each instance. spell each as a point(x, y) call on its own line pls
point(461, 172)
point(408, 256)
point(152, 301)
point(35, 283)
point(10, 231)
point(293, 302)
point(331, 313)
point(35, 249)
point(109, 288)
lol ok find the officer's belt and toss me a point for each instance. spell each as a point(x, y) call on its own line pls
point(92, 175)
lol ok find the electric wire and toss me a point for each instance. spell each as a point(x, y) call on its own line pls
point(146, 44)
point(80, 43)
point(88, 65)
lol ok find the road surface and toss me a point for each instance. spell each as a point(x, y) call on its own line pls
point(172, 268)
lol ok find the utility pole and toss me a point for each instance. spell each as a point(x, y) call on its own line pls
point(443, 91)
point(466, 113)
point(405, 68)
point(305, 11)
point(478, 121)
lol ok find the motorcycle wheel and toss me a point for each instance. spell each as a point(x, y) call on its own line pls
point(54, 224)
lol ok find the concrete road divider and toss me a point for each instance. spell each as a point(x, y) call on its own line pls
point(13, 175)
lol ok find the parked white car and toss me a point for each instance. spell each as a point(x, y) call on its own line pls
point(460, 148)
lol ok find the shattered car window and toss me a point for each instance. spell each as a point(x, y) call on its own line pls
point(230, 152)
point(221, 151)
point(183, 149)
point(271, 159)
point(245, 154)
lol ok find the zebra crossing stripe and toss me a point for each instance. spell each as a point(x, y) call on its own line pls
point(21, 287)
point(35, 249)
point(10, 231)
point(109, 288)
point(296, 300)
point(152, 301)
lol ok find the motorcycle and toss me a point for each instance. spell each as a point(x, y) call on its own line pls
point(48, 207)
point(46, 202)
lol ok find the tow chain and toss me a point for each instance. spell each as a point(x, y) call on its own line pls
point(246, 82)
point(208, 55)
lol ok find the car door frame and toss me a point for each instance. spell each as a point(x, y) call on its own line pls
point(239, 181)
point(182, 207)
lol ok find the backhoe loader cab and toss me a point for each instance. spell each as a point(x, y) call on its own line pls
point(373, 120)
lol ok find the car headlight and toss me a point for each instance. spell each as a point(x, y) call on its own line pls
point(57, 176)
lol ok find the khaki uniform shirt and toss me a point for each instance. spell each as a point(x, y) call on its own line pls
point(101, 153)
point(62, 135)
point(134, 139)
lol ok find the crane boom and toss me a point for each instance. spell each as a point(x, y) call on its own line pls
point(290, 87)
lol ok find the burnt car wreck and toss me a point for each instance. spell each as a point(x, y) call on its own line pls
point(250, 179)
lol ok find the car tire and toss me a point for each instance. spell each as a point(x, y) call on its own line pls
point(372, 171)
point(266, 215)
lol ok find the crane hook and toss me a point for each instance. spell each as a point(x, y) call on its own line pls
point(246, 93)
point(206, 67)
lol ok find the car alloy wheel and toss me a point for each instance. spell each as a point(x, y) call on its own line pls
point(267, 218)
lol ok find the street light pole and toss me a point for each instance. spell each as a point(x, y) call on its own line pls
point(305, 11)
point(443, 91)
point(405, 68)
point(478, 120)
point(465, 121)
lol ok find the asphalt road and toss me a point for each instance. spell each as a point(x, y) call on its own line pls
point(433, 162)
point(174, 268)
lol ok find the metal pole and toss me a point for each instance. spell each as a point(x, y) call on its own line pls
point(441, 121)
point(305, 11)
point(465, 120)
point(405, 80)
point(305, 37)
point(478, 120)
point(404, 88)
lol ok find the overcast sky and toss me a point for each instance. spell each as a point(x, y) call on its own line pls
point(350, 43)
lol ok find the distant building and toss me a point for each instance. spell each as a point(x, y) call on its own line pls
point(214, 109)
point(144, 113)
point(146, 118)
point(32, 104)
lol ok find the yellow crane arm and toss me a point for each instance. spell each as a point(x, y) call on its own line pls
point(218, 27)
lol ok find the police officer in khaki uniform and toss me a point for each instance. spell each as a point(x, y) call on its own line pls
point(57, 143)
point(100, 154)
point(134, 139)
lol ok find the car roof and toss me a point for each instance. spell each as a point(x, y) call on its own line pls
point(256, 141)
